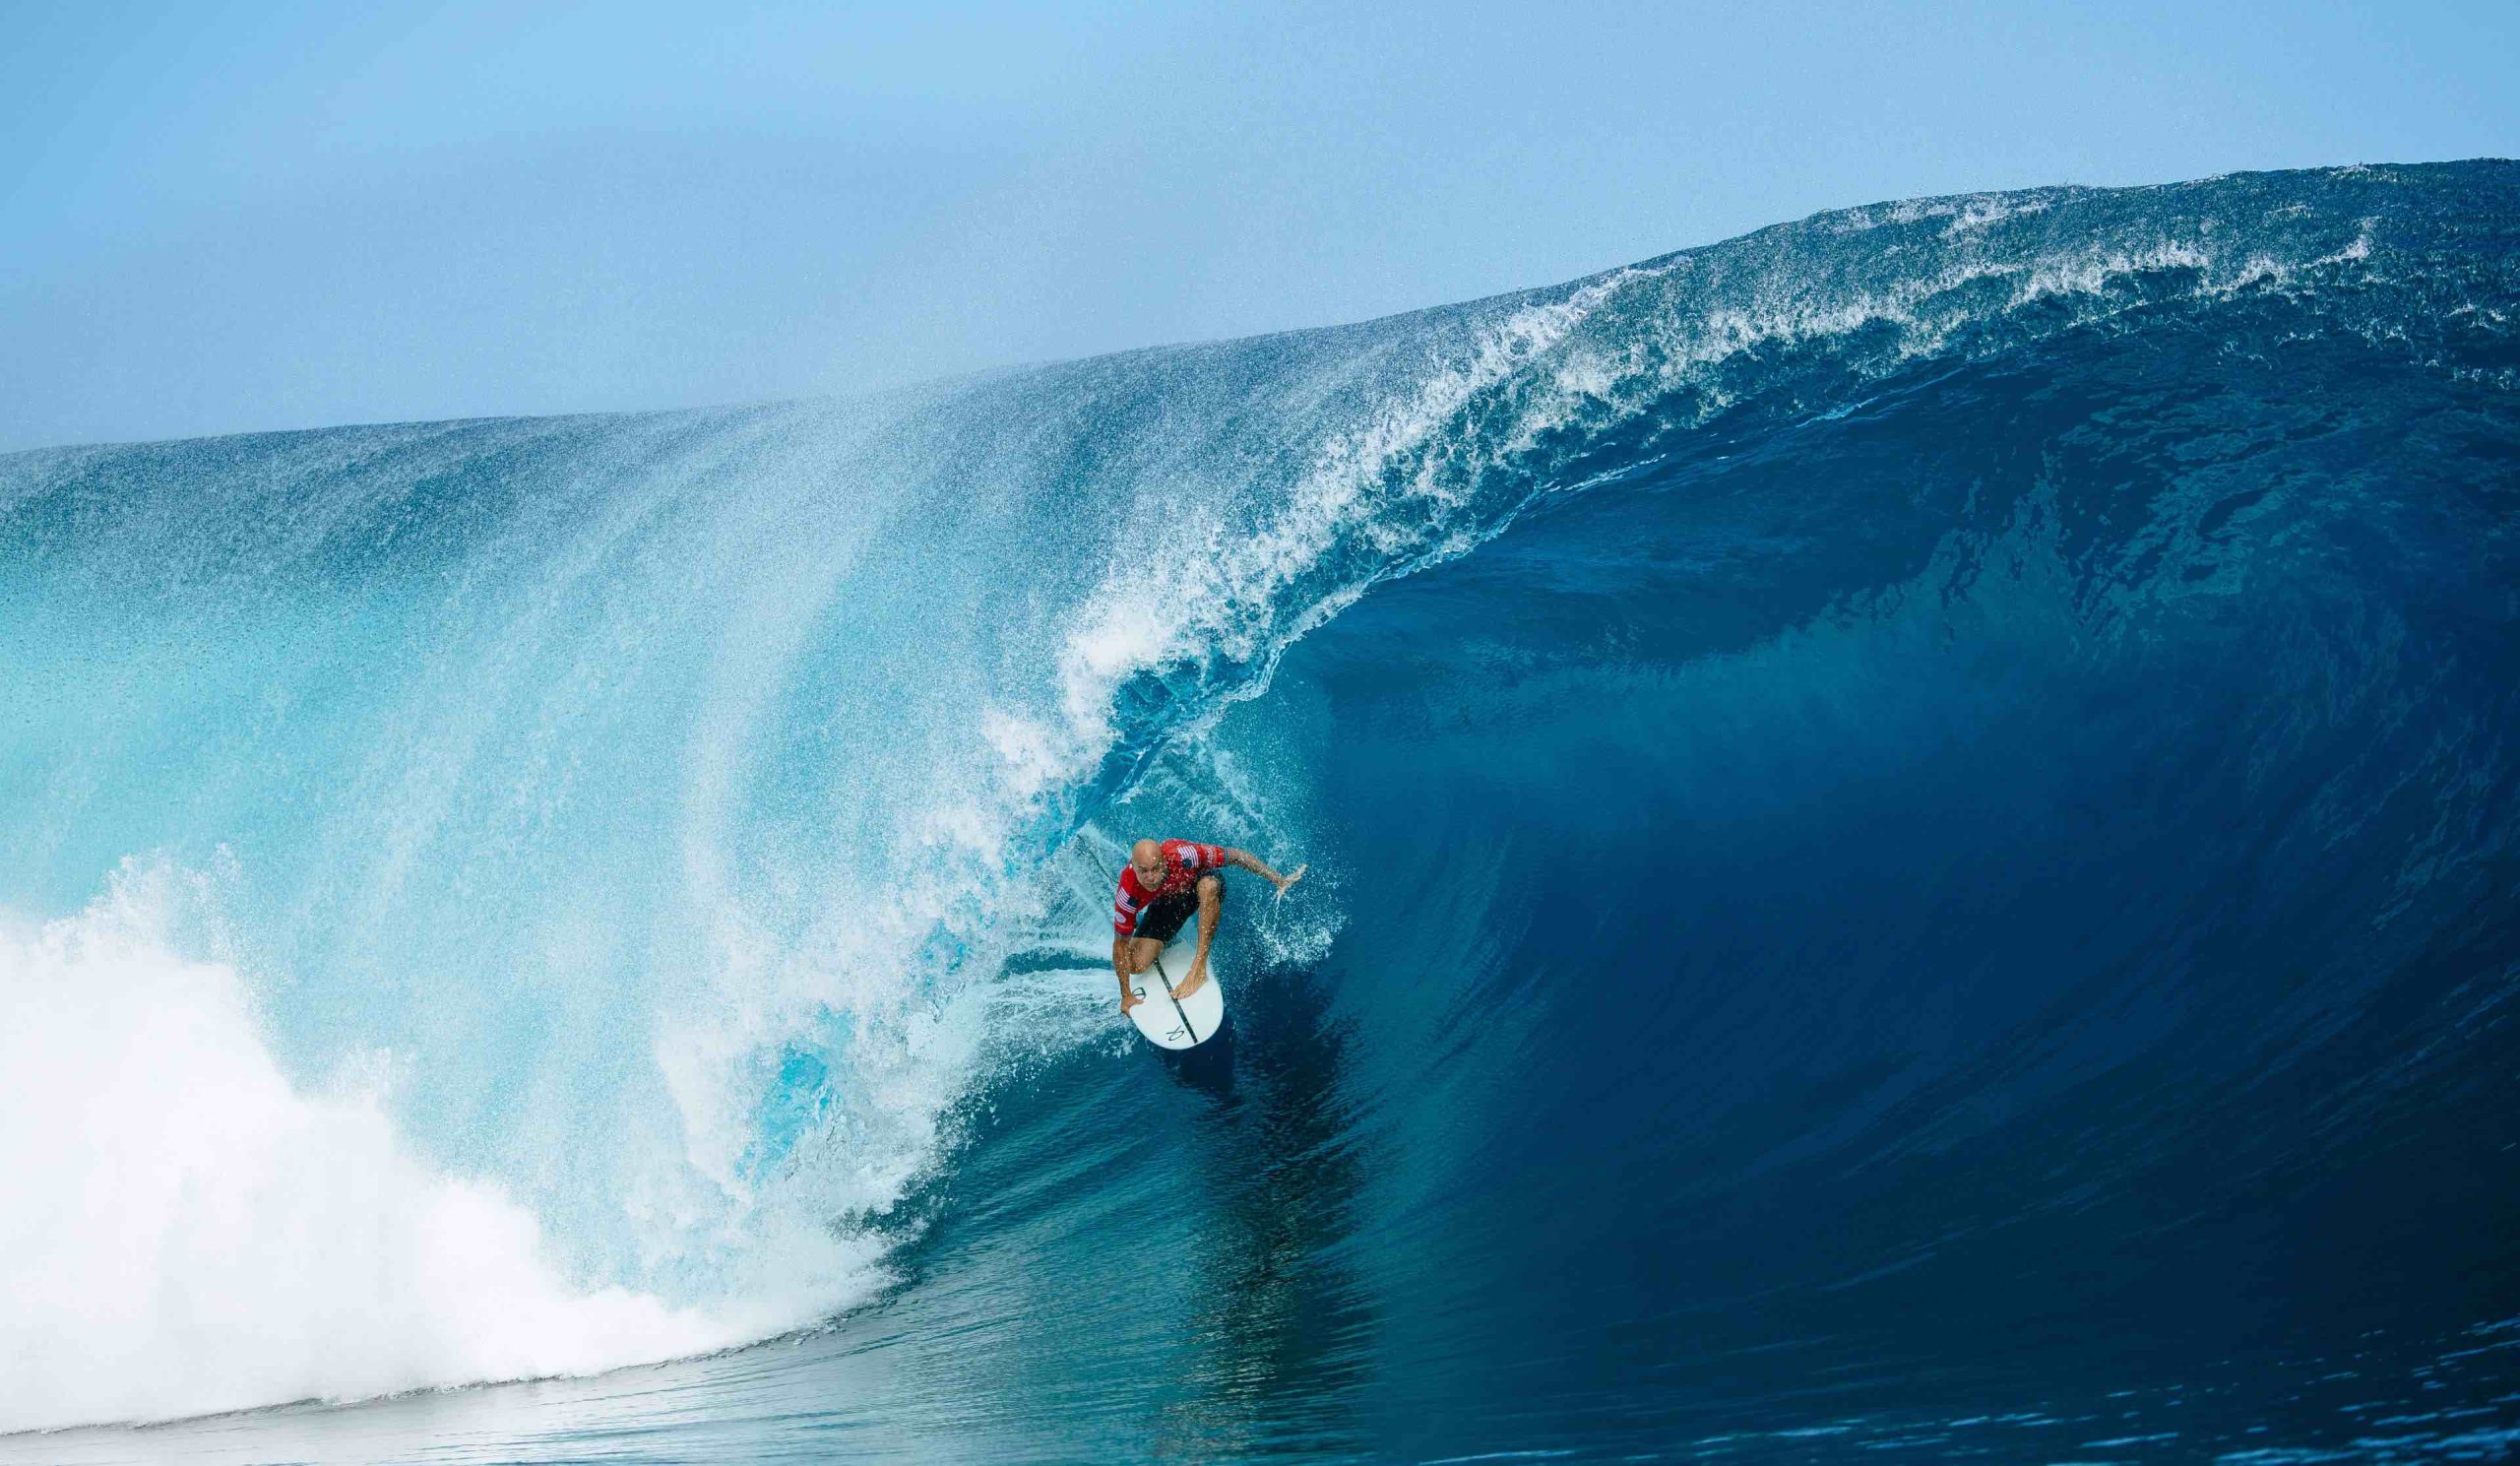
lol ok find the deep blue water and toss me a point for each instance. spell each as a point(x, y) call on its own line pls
point(1913, 821)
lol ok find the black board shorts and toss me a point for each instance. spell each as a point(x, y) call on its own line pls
point(1163, 919)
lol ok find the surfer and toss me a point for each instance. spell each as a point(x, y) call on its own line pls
point(1164, 883)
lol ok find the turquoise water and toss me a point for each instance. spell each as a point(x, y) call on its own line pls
point(1912, 825)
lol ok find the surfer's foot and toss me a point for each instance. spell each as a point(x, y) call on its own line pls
point(1190, 984)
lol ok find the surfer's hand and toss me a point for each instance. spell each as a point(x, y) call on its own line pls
point(1129, 999)
point(1292, 877)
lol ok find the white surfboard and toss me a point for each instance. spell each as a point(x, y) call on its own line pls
point(1182, 1023)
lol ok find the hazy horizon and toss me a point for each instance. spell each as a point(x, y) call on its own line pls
point(224, 220)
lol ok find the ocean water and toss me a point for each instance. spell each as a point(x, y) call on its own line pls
point(1913, 823)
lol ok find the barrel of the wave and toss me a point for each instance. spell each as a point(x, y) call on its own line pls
point(1178, 1022)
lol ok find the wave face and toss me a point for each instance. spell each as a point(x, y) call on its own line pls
point(1914, 825)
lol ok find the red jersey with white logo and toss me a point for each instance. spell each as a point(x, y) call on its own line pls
point(1184, 862)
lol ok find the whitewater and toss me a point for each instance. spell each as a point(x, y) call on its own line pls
point(2025, 684)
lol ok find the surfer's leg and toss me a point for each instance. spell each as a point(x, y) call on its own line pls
point(1211, 906)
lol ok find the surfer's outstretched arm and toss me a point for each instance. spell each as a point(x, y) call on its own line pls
point(1259, 867)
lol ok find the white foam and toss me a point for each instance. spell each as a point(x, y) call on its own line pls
point(1213, 590)
point(185, 1230)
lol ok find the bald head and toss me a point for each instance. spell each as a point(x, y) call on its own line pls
point(1146, 853)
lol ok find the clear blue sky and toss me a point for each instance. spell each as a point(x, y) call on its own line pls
point(217, 218)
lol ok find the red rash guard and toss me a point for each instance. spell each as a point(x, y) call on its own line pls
point(1184, 862)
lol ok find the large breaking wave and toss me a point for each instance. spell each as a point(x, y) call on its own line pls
point(1947, 760)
